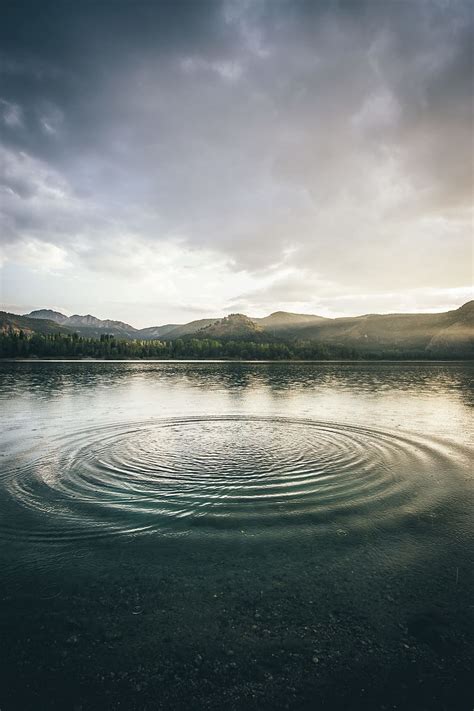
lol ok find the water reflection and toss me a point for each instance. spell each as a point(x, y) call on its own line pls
point(47, 378)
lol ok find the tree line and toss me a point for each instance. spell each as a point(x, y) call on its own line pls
point(18, 344)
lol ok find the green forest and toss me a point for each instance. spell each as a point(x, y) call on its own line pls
point(21, 345)
point(18, 344)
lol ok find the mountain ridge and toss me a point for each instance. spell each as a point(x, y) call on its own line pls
point(443, 332)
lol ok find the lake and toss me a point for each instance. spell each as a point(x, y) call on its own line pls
point(236, 535)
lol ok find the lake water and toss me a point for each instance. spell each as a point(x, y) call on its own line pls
point(236, 535)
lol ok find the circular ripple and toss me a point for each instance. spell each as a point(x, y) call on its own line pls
point(221, 473)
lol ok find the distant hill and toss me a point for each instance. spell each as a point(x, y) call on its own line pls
point(279, 323)
point(29, 326)
point(435, 333)
point(87, 325)
point(287, 325)
point(438, 335)
point(233, 327)
point(156, 331)
point(187, 329)
point(49, 315)
point(458, 333)
point(94, 327)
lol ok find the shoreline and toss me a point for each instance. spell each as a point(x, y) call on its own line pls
point(235, 360)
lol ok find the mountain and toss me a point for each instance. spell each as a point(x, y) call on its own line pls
point(188, 329)
point(438, 335)
point(286, 318)
point(280, 323)
point(283, 323)
point(29, 326)
point(94, 327)
point(434, 333)
point(49, 315)
point(154, 332)
point(458, 334)
point(87, 325)
point(233, 327)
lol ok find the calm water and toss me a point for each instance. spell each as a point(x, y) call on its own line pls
point(235, 536)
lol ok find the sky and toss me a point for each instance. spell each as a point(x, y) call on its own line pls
point(166, 161)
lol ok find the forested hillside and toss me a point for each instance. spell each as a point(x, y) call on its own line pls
point(280, 335)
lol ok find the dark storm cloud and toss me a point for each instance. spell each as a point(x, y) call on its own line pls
point(329, 136)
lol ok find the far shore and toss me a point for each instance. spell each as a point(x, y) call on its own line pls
point(352, 361)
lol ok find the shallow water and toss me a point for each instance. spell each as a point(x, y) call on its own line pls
point(242, 535)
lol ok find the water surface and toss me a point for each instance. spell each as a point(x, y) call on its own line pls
point(244, 535)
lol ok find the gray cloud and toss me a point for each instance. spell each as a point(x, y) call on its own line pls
point(330, 139)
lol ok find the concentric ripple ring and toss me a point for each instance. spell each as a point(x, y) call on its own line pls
point(220, 474)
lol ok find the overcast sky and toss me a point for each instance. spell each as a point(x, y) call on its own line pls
point(165, 161)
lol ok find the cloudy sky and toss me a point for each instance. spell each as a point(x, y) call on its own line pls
point(164, 161)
